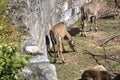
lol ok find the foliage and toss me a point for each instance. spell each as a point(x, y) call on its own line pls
point(8, 33)
point(3, 5)
point(11, 61)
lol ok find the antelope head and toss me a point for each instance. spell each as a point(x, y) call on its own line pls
point(72, 45)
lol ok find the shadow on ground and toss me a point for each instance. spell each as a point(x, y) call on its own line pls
point(74, 31)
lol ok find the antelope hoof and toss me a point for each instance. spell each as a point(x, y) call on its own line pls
point(96, 30)
point(90, 29)
point(54, 61)
point(64, 51)
point(74, 50)
point(57, 55)
point(63, 62)
point(83, 35)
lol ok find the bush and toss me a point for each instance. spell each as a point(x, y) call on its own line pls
point(3, 5)
point(11, 61)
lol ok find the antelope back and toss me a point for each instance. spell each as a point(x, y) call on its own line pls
point(58, 31)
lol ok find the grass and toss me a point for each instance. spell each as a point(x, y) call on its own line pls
point(77, 62)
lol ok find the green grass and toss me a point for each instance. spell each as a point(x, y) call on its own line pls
point(77, 62)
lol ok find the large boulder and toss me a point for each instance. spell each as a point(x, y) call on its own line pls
point(40, 68)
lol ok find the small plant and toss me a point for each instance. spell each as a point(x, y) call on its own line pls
point(11, 61)
point(3, 5)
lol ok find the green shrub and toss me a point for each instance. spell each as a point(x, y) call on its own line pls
point(3, 5)
point(11, 61)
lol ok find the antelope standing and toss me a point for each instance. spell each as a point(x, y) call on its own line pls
point(89, 12)
point(57, 34)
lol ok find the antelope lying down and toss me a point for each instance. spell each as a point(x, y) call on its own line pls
point(89, 12)
point(57, 34)
point(96, 73)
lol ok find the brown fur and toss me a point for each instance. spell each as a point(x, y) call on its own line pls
point(117, 77)
point(57, 34)
point(96, 73)
point(98, 68)
point(89, 12)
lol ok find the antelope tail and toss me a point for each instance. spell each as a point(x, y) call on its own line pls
point(53, 38)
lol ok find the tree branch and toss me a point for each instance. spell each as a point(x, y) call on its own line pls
point(103, 56)
point(108, 39)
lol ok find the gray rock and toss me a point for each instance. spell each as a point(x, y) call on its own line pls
point(41, 69)
point(27, 73)
point(39, 59)
point(32, 49)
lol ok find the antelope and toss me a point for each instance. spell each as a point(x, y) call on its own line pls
point(57, 34)
point(89, 12)
point(117, 77)
point(96, 73)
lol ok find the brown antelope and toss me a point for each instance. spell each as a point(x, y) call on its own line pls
point(96, 73)
point(57, 34)
point(117, 77)
point(89, 12)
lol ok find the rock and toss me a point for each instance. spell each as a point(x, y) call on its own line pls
point(39, 59)
point(46, 71)
point(27, 73)
point(41, 69)
point(32, 49)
